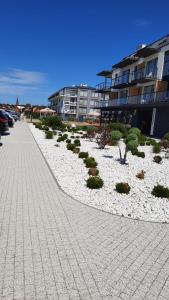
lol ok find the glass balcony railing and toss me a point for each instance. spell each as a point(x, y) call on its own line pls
point(144, 74)
point(146, 98)
point(121, 80)
point(104, 86)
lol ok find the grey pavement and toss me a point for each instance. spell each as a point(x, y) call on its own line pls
point(53, 247)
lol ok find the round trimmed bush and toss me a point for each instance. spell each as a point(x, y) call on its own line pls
point(49, 134)
point(68, 141)
point(131, 137)
point(46, 128)
point(116, 135)
point(123, 188)
point(157, 159)
point(65, 136)
point(148, 143)
point(166, 136)
point(94, 182)
point(71, 147)
point(160, 191)
point(93, 172)
point(77, 142)
point(132, 145)
point(135, 130)
point(140, 154)
point(90, 162)
point(156, 148)
point(83, 154)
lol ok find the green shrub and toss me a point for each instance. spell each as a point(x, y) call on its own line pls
point(142, 140)
point(135, 130)
point(166, 136)
point(77, 142)
point(90, 162)
point(71, 147)
point(157, 159)
point(60, 134)
point(68, 141)
point(117, 126)
point(131, 137)
point(138, 153)
point(132, 145)
point(46, 128)
point(152, 142)
point(123, 188)
point(160, 191)
point(65, 136)
point(59, 140)
point(53, 121)
point(49, 134)
point(148, 143)
point(116, 135)
point(72, 137)
point(156, 148)
point(83, 154)
point(91, 129)
point(94, 182)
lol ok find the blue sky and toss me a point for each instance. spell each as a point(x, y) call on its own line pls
point(45, 45)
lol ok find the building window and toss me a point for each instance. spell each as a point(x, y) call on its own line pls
point(82, 110)
point(83, 102)
point(92, 102)
point(151, 68)
point(94, 95)
point(83, 93)
point(166, 64)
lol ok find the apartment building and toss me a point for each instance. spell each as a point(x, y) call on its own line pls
point(75, 102)
point(138, 89)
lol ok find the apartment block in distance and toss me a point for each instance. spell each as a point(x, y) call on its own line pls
point(138, 87)
point(76, 102)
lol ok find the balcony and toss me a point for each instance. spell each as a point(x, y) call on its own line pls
point(143, 99)
point(143, 75)
point(104, 86)
point(121, 81)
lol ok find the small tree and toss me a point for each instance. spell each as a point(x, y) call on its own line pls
point(103, 138)
point(91, 132)
point(116, 135)
point(131, 143)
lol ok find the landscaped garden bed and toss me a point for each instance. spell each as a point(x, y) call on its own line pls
point(124, 189)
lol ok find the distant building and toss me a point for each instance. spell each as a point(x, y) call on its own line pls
point(138, 87)
point(17, 101)
point(76, 102)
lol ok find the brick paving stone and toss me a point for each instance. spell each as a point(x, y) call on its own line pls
point(53, 247)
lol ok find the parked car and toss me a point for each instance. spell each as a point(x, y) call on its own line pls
point(3, 122)
point(11, 120)
point(15, 115)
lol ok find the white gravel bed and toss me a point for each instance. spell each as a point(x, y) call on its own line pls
point(71, 173)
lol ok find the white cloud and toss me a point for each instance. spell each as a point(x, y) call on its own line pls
point(17, 81)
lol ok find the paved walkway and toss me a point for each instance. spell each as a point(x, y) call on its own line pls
point(52, 247)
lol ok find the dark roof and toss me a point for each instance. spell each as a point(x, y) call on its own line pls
point(147, 50)
point(74, 87)
point(105, 73)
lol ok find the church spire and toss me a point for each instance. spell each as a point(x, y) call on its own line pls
point(17, 101)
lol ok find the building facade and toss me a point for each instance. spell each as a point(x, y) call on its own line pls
point(75, 102)
point(138, 89)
